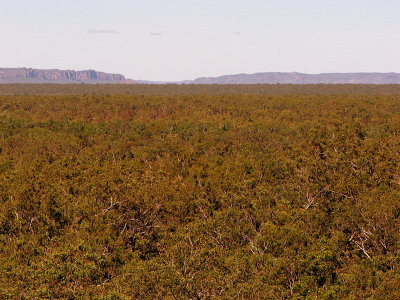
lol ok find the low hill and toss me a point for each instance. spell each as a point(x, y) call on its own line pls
point(300, 78)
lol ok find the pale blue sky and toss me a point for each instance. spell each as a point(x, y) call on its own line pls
point(184, 39)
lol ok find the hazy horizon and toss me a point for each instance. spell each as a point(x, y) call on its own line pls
point(182, 40)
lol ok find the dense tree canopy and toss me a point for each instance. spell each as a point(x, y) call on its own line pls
point(200, 196)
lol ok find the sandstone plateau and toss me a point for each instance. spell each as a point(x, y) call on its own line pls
point(28, 75)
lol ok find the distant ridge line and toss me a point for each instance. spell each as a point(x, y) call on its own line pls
point(30, 75)
point(302, 78)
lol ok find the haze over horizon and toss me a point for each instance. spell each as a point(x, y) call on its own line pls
point(179, 40)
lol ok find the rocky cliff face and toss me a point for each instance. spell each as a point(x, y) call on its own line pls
point(27, 75)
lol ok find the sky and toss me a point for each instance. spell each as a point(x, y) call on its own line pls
point(170, 40)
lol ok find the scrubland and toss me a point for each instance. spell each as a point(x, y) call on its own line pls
point(262, 192)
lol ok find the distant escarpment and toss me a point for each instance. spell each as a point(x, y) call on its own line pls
point(28, 75)
point(300, 78)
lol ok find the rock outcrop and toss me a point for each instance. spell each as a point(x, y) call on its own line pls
point(28, 75)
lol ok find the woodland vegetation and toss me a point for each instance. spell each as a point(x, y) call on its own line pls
point(106, 195)
point(199, 89)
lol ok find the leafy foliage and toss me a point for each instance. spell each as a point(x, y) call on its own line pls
point(200, 196)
